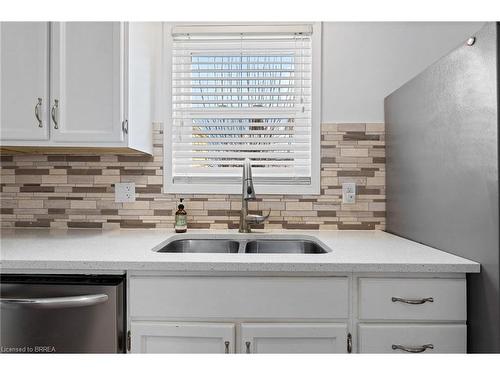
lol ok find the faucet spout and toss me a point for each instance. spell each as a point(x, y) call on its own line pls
point(248, 194)
point(248, 191)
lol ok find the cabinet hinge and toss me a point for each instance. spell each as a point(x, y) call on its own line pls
point(349, 343)
point(125, 126)
point(129, 341)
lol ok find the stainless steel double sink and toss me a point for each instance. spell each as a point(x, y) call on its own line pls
point(256, 245)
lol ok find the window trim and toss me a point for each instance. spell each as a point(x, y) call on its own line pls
point(187, 188)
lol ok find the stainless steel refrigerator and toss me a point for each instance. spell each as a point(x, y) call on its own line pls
point(442, 169)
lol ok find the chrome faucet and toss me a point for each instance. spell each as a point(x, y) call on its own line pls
point(248, 194)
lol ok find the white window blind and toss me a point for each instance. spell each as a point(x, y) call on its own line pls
point(241, 92)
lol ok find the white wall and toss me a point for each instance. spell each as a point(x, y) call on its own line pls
point(363, 62)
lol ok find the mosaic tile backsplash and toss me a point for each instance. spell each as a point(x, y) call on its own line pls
point(73, 191)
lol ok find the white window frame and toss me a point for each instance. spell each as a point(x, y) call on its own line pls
point(190, 188)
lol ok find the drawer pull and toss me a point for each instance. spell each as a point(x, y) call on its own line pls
point(226, 345)
point(247, 344)
point(412, 301)
point(413, 349)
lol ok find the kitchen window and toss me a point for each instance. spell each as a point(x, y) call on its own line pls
point(242, 91)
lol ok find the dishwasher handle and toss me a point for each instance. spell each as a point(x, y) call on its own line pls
point(55, 302)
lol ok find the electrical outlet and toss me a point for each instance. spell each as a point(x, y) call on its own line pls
point(349, 192)
point(125, 192)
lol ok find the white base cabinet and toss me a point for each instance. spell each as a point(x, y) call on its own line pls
point(412, 338)
point(219, 297)
point(297, 314)
point(412, 315)
point(185, 337)
point(412, 299)
point(293, 338)
point(196, 337)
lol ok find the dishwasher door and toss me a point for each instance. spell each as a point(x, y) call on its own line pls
point(62, 314)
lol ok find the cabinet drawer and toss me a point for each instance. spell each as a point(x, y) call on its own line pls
point(407, 338)
point(401, 299)
point(239, 297)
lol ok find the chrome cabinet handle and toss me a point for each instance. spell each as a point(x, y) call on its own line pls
point(55, 302)
point(247, 344)
point(37, 112)
point(125, 126)
point(226, 345)
point(53, 113)
point(412, 301)
point(413, 349)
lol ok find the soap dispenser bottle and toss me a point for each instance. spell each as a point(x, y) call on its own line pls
point(180, 219)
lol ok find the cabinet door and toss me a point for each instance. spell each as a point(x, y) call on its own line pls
point(293, 338)
point(86, 82)
point(163, 337)
point(24, 80)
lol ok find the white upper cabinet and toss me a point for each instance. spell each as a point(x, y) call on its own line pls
point(86, 82)
point(97, 94)
point(24, 80)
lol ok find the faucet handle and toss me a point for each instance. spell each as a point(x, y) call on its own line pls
point(257, 219)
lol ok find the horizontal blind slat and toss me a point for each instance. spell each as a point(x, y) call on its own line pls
point(239, 163)
point(235, 86)
point(228, 147)
point(236, 180)
point(255, 156)
point(241, 140)
point(252, 130)
point(237, 30)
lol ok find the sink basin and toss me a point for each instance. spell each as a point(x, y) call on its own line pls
point(242, 245)
point(281, 246)
point(201, 246)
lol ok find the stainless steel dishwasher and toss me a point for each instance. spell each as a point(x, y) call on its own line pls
point(62, 314)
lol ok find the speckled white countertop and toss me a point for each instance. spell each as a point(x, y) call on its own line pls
point(98, 251)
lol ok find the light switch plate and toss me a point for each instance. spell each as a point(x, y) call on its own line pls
point(125, 192)
point(349, 192)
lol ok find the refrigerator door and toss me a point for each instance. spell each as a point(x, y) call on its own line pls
point(61, 316)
